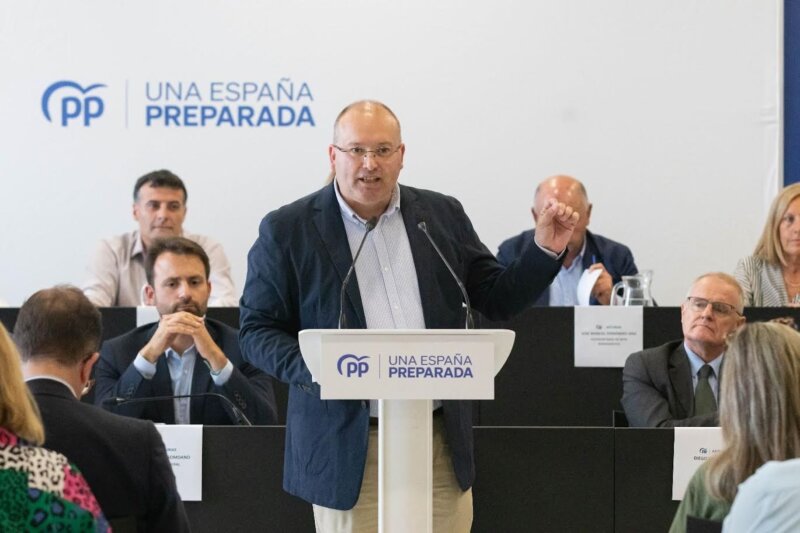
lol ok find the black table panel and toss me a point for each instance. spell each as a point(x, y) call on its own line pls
point(242, 484)
point(528, 479)
point(643, 480)
point(544, 479)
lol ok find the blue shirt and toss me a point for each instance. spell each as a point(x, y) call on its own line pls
point(181, 371)
point(564, 289)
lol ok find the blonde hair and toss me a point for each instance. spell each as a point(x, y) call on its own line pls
point(18, 411)
point(769, 244)
point(759, 405)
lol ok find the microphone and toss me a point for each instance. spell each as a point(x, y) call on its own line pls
point(241, 419)
point(370, 225)
point(470, 323)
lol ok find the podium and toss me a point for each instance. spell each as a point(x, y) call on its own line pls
point(405, 370)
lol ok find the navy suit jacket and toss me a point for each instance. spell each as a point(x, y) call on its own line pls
point(617, 258)
point(658, 390)
point(248, 388)
point(122, 459)
point(294, 277)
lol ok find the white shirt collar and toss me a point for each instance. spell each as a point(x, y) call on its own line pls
point(51, 378)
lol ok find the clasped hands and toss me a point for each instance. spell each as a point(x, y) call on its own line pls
point(171, 326)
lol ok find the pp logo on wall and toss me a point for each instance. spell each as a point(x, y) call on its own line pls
point(68, 103)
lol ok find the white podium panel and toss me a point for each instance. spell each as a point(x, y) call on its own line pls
point(405, 364)
point(405, 370)
point(411, 370)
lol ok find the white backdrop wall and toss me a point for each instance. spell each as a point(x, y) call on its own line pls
point(668, 110)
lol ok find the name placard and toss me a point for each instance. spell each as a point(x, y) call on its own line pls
point(606, 336)
point(184, 445)
point(693, 447)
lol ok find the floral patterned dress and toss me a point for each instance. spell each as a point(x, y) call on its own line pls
point(41, 491)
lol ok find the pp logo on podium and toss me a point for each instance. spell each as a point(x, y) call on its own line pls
point(74, 103)
point(350, 365)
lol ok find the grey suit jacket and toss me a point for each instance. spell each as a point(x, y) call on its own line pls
point(658, 391)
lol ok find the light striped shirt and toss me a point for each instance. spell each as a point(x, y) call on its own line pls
point(387, 278)
point(762, 283)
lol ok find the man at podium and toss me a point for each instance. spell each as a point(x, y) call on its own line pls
point(295, 274)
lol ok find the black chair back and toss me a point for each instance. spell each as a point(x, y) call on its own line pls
point(701, 525)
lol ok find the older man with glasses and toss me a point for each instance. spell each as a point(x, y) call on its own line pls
point(677, 384)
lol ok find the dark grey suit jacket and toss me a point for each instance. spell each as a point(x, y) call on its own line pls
point(123, 459)
point(658, 391)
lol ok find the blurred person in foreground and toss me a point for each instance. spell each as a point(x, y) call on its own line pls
point(768, 501)
point(58, 332)
point(759, 416)
point(40, 490)
point(771, 276)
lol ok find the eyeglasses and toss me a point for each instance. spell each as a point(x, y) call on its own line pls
point(721, 308)
point(357, 152)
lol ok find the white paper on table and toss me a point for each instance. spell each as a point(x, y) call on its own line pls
point(605, 336)
point(184, 445)
point(693, 446)
point(586, 284)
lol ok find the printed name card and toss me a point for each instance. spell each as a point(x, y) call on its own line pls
point(605, 336)
point(693, 447)
point(185, 452)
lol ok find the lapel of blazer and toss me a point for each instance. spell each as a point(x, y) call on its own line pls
point(327, 220)
point(426, 261)
point(162, 386)
point(591, 253)
point(680, 375)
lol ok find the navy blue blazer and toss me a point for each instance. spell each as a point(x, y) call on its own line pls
point(616, 257)
point(248, 388)
point(294, 276)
